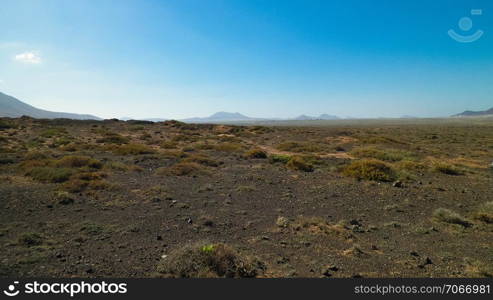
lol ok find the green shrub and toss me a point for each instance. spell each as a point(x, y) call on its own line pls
point(279, 158)
point(299, 147)
point(51, 132)
point(169, 145)
point(369, 169)
point(113, 138)
point(391, 155)
point(132, 149)
point(410, 165)
point(378, 140)
point(6, 125)
point(448, 216)
point(229, 147)
point(299, 163)
point(77, 161)
point(35, 155)
point(50, 174)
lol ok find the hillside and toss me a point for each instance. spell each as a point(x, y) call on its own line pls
point(13, 108)
point(469, 113)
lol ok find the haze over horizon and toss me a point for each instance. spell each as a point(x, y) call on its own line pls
point(183, 59)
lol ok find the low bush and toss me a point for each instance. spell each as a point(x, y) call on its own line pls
point(30, 239)
point(113, 138)
point(279, 158)
point(52, 132)
point(50, 174)
point(446, 169)
point(200, 159)
point(299, 147)
point(255, 153)
point(208, 261)
point(77, 161)
point(391, 155)
point(448, 216)
point(298, 163)
point(485, 213)
point(169, 145)
point(229, 147)
point(182, 169)
point(369, 169)
point(132, 149)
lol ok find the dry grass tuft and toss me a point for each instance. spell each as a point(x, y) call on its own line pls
point(298, 163)
point(451, 217)
point(207, 261)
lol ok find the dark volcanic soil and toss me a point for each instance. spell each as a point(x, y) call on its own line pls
point(155, 188)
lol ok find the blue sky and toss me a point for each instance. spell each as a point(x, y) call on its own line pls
point(184, 58)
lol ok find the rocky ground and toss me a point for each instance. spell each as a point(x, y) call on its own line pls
point(140, 199)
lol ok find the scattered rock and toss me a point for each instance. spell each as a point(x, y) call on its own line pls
point(64, 198)
point(328, 270)
point(282, 222)
point(426, 261)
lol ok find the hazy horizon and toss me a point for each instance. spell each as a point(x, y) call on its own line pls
point(184, 59)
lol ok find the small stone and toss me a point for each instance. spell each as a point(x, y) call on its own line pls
point(282, 222)
point(328, 270)
point(398, 184)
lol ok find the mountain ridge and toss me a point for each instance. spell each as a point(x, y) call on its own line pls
point(470, 113)
point(13, 108)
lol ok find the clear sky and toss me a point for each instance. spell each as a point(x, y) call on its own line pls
point(185, 58)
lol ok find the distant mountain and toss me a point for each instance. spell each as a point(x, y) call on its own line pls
point(321, 117)
point(144, 119)
point(237, 117)
point(328, 117)
point(13, 108)
point(220, 117)
point(469, 113)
